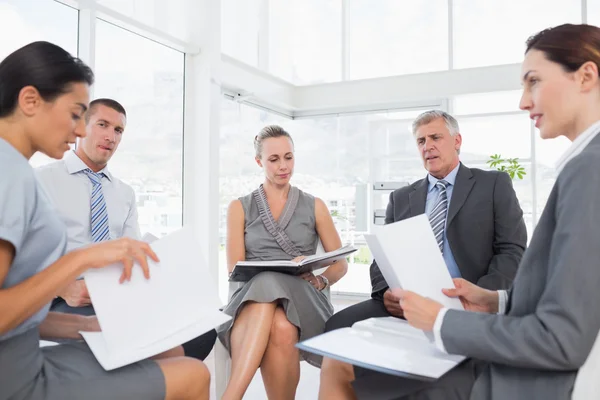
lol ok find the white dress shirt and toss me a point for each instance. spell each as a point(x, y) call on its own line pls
point(70, 191)
point(576, 147)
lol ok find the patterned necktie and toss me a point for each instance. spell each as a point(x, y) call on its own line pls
point(437, 216)
point(98, 214)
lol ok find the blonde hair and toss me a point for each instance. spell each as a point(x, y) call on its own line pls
point(269, 131)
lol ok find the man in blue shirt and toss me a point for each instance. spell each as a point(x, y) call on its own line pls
point(474, 214)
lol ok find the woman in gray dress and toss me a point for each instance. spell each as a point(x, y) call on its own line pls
point(44, 94)
point(273, 311)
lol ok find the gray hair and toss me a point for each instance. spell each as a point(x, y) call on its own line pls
point(269, 131)
point(430, 116)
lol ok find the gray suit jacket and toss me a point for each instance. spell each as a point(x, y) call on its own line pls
point(535, 350)
point(485, 227)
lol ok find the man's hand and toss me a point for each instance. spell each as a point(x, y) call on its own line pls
point(472, 297)
point(76, 294)
point(90, 324)
point(392, 304)
point(421, 312)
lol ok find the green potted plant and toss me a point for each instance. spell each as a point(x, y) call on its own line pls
point(508, 165)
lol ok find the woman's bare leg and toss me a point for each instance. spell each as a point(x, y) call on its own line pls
point(280, 367)
point(249, 338)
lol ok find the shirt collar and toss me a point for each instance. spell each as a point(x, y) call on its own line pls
point(450, 178)
point(75, 164)
point(578, 145)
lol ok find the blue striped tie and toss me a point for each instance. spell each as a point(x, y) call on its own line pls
point(437, 216)
point(98, 214)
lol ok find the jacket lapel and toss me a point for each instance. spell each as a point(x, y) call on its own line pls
point(417, 197)
point(462, 187)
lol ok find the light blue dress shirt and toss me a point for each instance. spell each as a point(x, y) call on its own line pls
point(433, 194)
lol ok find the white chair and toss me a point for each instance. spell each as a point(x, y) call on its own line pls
point(587, 383)
point(222, 359)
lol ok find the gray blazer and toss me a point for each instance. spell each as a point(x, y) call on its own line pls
point(552, 321)
point(485, 227)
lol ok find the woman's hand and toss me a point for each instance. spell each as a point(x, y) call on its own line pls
point(125, 251)
point(313, 280)
point(472, 297)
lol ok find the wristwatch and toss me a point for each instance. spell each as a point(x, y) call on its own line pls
point(325, 282)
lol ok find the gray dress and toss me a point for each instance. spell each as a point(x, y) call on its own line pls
point(67, 371)
point(306, 308)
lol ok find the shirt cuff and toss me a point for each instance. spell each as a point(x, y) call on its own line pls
point(437, 330)
point(502, 300)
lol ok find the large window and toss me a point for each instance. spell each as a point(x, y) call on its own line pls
point(25, 21)
point(240, 29)
point(389, 37)
point(494, 32)
point(313, 41)
point(593, 14)
point(149, 84)
point(305, 40)
point(170, 17)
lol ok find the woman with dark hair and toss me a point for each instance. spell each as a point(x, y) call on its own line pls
point(529, 342)
point(44, 94)
point(273, 311)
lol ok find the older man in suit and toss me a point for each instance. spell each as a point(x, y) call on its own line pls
point(475, 216)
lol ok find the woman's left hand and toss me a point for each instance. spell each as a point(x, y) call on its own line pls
point(313, 280)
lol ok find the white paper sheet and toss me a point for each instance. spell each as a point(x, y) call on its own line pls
point(408, 256)
point(115, 359)
point(141, 313)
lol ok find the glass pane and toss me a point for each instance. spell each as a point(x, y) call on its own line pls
point(481, 36)
point(305, 40)
point(480, 103)
point(25, 21)
point(170, 17)
point(240, 26)
point(593, 14)
point(390, 37)
point(507, 135)
point(149, 84)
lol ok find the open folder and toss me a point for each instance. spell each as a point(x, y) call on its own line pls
point(409, 257)
point(245, 270)
point(389, 345)
point(144, 317)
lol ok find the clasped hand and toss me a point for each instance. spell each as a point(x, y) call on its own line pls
point(421, 312)
point(309, 276)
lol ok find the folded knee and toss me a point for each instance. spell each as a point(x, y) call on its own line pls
point(283, 332)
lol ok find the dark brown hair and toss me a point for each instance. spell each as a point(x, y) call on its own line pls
point(269, 131)
point(568, 45)
point(43, 65)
